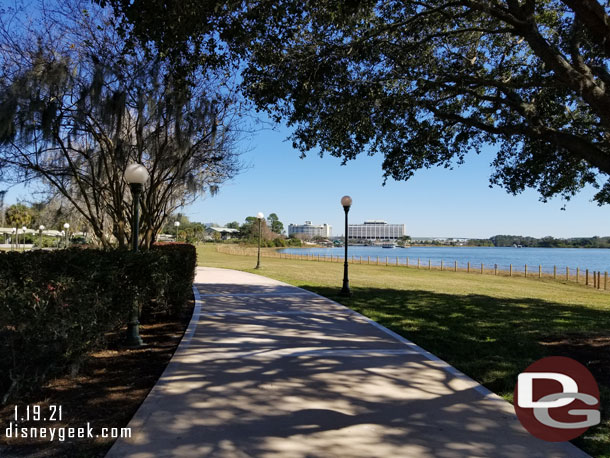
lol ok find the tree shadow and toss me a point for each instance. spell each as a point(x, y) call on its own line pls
point(269, 374)
point(491, 339)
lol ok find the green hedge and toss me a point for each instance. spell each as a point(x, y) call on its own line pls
point(57, 306)
point(180, 262)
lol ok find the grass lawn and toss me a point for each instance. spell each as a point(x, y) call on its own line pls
point(490, 328)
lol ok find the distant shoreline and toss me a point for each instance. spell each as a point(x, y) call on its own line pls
point(449, 246)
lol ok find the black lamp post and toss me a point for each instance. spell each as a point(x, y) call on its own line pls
point(346, 201)
point(24, 229)
point(40, 229)
point(177, 225)
point(136, 175)
point(260, 217)
point(66, 229)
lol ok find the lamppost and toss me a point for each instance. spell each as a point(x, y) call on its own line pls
point(260, 217)
point(40, 229)
point(346, 201)
point(177, 224)
point(136, 175)
point(66, 230)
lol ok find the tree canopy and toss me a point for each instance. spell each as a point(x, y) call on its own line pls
point(275, 224)
point(78, 104)
point(18, 215)
point(422, 83)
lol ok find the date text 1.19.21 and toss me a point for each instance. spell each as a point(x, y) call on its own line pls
point(38, 413)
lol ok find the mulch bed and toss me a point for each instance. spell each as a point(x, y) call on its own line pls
point(106, 392)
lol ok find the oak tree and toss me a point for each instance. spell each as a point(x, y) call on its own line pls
point(78, 104)
point(423, 83)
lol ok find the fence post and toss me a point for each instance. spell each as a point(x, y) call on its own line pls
point(587, 277)
point(599, 280)
point(554, 272)
point(386, 260)
point(567, 273)
point(418, 263)
point(360, 259)
point(377, 260)
point(455, 266)
point(539, 271)
point(407, 261)
point(368, 260)
point(396, 260)
point(495, 269)
point(577, 275)
point(481, 268)
point(468, 267)
point(429, 264)
point(510, 270)
point(441, 265)
point(525, 271)
point(605, 280)
point(594, 279)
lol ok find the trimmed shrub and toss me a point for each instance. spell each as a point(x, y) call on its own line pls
point(57, 306)
point(180, 262)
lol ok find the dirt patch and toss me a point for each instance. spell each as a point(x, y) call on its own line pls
point(592, 351)
point(106, 392)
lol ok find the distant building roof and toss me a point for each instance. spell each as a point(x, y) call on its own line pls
point(9, 230)
point(375, 221)
point(228, 230)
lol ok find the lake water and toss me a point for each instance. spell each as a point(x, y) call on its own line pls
point(583, 258)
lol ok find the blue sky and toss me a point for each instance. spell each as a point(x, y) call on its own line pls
point(436, 202)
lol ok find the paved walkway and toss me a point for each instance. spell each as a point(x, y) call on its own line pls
point(269, 370)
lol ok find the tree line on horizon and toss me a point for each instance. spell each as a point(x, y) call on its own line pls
point(543, 242)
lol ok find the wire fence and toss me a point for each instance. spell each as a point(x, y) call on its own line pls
point(592, 278)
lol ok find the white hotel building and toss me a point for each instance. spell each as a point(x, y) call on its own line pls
point(310, 230)
point(376, 230)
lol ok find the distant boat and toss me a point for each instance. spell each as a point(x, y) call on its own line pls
point(388, 245)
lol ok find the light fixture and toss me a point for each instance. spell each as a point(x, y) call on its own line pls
point(40, 229)
point(135, 175)
point(346, 202)
point(260, 217)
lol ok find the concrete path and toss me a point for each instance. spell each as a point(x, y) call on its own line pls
point(269, 370)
